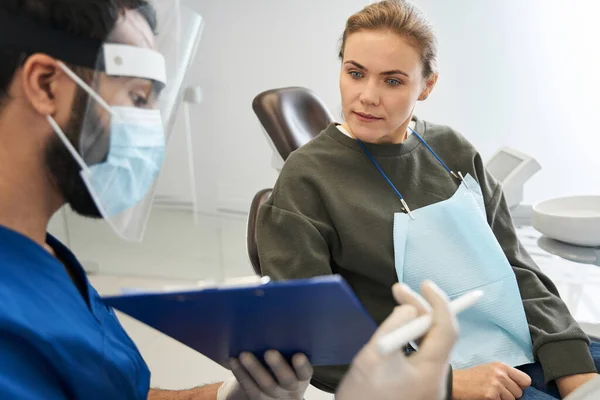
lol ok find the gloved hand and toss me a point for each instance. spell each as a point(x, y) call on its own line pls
point(253, 382)
point(420, 376)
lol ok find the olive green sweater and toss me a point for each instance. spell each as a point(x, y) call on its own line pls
point(331, 212)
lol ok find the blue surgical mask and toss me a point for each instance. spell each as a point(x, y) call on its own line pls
point(134, 160)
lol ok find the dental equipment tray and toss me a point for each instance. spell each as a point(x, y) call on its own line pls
point(320, 317)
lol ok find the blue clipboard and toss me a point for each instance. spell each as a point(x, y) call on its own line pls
point(320, 317)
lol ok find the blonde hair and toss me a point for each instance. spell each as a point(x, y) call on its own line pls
point(400, 17)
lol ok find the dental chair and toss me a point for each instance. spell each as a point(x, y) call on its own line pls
point(251, 244)
point(290, 117)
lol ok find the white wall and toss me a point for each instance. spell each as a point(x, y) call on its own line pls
point(523, 74)
point(516, 73)
point(248, 47)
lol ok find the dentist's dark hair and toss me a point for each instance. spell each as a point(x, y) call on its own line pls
point(90, 19)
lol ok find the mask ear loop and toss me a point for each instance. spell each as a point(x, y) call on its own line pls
point(59, 132)
point(87, 88)
point(57, 129)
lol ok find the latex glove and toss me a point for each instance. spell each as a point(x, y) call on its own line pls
point(493, 381)
point(420, 376)
point(254, 382)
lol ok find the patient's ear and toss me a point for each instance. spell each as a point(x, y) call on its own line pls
point(429, 85)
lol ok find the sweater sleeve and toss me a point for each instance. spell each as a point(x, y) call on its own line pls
point(289, 245)
point(294, 230)
point(559, 344)
point(293, 237)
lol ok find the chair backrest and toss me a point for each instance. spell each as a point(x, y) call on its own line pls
point(251, 244)
point(291, 117)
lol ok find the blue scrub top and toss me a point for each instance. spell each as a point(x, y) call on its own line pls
point(53, 343)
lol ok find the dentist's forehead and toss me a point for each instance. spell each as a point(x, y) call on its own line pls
point(133, 29)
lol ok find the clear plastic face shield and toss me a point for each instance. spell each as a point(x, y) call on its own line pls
point(132, 102)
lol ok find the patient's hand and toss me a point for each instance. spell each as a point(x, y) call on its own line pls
point(489, 382)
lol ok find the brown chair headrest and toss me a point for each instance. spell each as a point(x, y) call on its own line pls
point(291, 117)
point(251, 244)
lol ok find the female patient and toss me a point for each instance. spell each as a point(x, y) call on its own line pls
point(387, 197)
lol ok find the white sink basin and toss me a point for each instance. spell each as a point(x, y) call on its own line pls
point(573, 220)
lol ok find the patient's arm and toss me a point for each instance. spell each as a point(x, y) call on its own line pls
point(207, 392)
point(554, 332)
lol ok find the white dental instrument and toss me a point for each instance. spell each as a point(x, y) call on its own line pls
point(415, 329)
